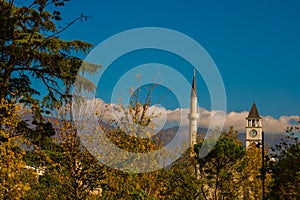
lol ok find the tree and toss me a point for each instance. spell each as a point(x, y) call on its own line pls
point(15, 178)
point(251, 176)
point(70, 171)
point(285, 170)
point(31, 48)
point(181, 180)
point(82, 172)
point(131, 129)
point(219, 170)
point(126, 135)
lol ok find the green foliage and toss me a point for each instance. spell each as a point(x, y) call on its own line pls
point(221, 167)
point(251, 176)
point(121, 185)
point(70, 171)
point(15, 178)
point(181, 180)
point(31, 48)
point(125, 135)
point(286, 170)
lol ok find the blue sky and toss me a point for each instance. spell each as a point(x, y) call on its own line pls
point(255, 44)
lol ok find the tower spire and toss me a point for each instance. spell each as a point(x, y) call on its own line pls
point(253, 111)
point(193, 116)
point(194, 93)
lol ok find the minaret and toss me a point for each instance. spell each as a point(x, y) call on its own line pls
point(253, 127)
point(193, 116)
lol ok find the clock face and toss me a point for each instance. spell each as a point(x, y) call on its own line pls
point(253, 133)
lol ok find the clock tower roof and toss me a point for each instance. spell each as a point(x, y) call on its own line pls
point(253, 112)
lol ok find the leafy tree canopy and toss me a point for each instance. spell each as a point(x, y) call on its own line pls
point(30, 47)
point(286, 170)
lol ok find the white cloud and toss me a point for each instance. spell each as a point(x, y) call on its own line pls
point(122, 116)
point(273, 125)
point(180, 116)
point(236, 119)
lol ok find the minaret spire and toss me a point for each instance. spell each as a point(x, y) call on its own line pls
point(194, 93)
point(193, 116)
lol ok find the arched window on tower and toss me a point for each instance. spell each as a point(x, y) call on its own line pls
point(253, 123)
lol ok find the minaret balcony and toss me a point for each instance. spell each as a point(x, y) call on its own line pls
point(193, 116)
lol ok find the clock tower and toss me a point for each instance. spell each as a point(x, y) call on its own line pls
point(253, 127)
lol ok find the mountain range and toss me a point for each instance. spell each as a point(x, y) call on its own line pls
point(271, 139)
